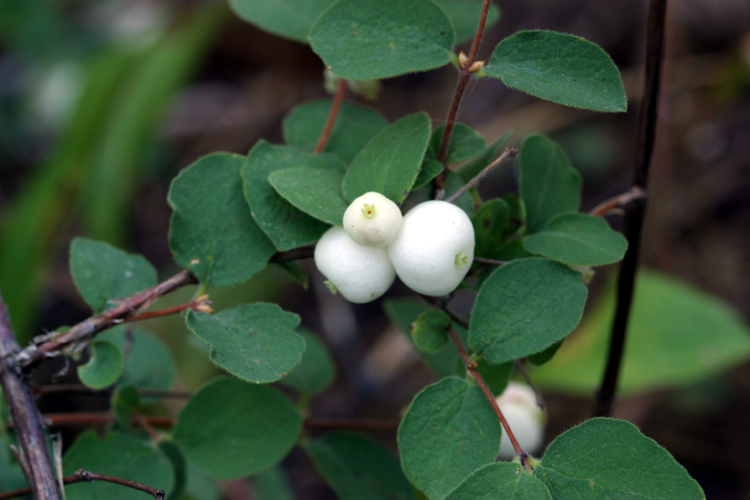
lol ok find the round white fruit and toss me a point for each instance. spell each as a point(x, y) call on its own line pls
point(372, 220)
point(434, 249)
point(360, 273)
point(525, 418)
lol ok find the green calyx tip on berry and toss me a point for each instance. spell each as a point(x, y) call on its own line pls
point(331, 287)
point(368, 210)
point(461, 259)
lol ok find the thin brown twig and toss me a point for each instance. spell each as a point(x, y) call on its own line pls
point(471, 369)
point(507, 153)
point(331, 116)
point(82, 475)
point(489, 262)
point(85, 330)
point(619, 201)
point(42, 390)
point(304, 252)
point(520, 369)
point(467, 69)
point(353, 424)
point(101, 419)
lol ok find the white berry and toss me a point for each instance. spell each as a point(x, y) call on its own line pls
point(360, 273)
point(525, 418)
point(372, 220)
point(435, 248)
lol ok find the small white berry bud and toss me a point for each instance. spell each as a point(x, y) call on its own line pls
point(372, 220)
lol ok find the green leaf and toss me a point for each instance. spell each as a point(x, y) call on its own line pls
point(273, 484)
point(607, 458)
point(103, 367)
point(403, 312)
point(11, 475)
point(255, 342)
point(179, 467)
point(561, 68)
point(465, 143)
point(286, 226)
point(199, 486)
point(357, 468)
point(364, 39)
point(449, 431)
point(491, 225)
point(286, 18)
point(524, 307)
point(212, 231)
point(496, 376)
point(119, 455)
point(389, 163)
point(315, 191)
point(230, 429)
point(472, 167)
point(296, 272)
point(429, 170)
point(430, 331)
point(452, 184)
point(501, 480)
point(149, 364)
point(577, 239)
point(677, 335)
point(102, 272)
point(355, 125)
point(544, 356)
point(316, 371)
point(465, 14)
point(547, 183)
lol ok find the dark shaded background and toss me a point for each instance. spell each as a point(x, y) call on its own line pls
point(245, 81)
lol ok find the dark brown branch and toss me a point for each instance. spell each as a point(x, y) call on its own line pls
point(82, 389)
point(508, 153)
point(468, 68)
point(365, 425)
point(634, 215)
point(305, 252)
point(85, 330)
point(471, 369)
point(82, 475)
point(100, 419)
point(331, 116)
point(32, 451)
point(618, 202)
point(201, 304)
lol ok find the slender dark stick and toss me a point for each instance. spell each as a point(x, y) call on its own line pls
point(364, 424)
point(471, 369)
point(305, 252)
point(101, 419)
point(331, 116)
point(635, 212)
point(85, 330)
point(82, 475)
point(490, 262)
point(620, 201)
point(467, 69)
point(508, 153)
point(82, 389)
point(32, 450)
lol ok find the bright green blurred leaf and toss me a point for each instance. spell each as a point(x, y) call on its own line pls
point(355, 125)
point(286, 18)
point(273, 484)
point(286, 226)
point(316, 372)
point(390, 162)
point(465, 143)
point(547, 183)
point(255, 342)
point(102, 272)
point(577, 239)
point(677, 335)
point(607, 458)
point(365, 39)
point(357, 468)
point(103, 367)
point(449, 431)
point(524, 307)
point(213, 232)
point(231, 429)
point(315, 191)
point(119, 455)
point(501, 480)
point(561, 68)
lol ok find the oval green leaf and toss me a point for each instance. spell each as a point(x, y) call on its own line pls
point(149, 364)
point(365, 39)
point(315, 191)
point(501, 480)
point(316, 372)
point(102, 272)
point(449, 431)
point(255, 342)
point(561, 68)
point(103, 367)
point(357, 468)
point(286, 18)
point(213, 232)
point(390, 162)
point(465, 143)
point(120, 455)
point(230, 429)
point(524, 307)
point(607, 458)
point(430, 331)
point(577, 239)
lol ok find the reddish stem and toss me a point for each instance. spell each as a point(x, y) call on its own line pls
point(82, 475)
point(331, 116)
point(619, 201)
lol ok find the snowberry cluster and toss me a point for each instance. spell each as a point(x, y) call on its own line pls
point(431, 248)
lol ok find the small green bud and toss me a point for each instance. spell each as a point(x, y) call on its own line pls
point(331, 287)
point(461, 260)
point(368, 210)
